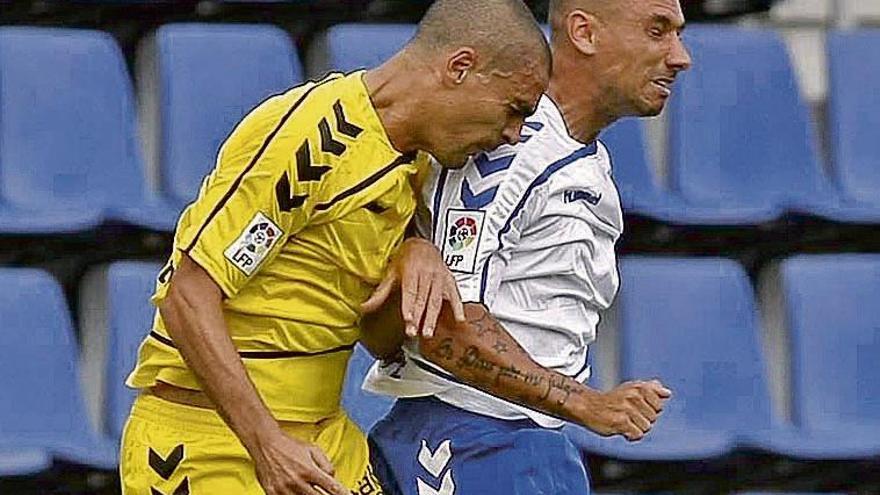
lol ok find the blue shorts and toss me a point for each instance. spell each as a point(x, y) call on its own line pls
point(427, 447)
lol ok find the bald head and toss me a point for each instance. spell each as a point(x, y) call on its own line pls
point(504, 32)
point(559, 10)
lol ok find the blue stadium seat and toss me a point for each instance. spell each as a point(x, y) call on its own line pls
point(41, 404)
point(834, 331)
point(640, 191)
point(348, 47)
point(364, 408)
point(741, 136)
point(633, 173)
point(130, 317)
point(116, 315)
point(209, 77)
point(24, 462)
point(701, 340)
point(854, 113)
point(69, 155)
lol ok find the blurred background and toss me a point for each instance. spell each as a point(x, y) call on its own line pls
point(750, 264)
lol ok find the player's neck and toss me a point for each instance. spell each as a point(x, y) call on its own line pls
point(394, 95)
point(583, 105)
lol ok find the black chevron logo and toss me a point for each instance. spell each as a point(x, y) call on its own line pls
point(328, 144)
point(305, 171)
point(343, 125)
point(165, 467)
point(182, 489)
point(286, 201)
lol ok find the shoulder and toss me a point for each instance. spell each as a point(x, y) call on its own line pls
point(278, 118)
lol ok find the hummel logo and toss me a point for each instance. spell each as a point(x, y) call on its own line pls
point(182, 489)
point(572, 195)
point(166, 467)
point(447, 487)
point(435, 462)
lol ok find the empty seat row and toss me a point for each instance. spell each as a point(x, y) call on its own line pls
point(741, 145)
point(694, 324)
point(70, 154)
point(742, 150)
point(703, 339)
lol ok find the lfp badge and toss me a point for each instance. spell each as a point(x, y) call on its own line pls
point(463, 231)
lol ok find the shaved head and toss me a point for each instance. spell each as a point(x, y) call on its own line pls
point(628, 53)
point(503, 31)
point(559, 9)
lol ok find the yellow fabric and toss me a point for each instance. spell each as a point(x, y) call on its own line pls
point(214, 461)
point(296, 224)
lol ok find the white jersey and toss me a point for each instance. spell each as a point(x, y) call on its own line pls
point(529, 231)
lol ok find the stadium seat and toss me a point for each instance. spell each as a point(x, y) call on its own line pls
point(834, 341)
point(198, 81)
point(854, 113)
point(69, 155)
point(41, 404)
point(836, 380)
point(633, 173)
point(364, 408)
point(115, 315)
point(348, 47)
point(701, 340)
point(24, 462)
point(741, 137)
point(640, 192)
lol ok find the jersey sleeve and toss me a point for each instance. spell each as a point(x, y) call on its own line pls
point(247, 208)
point(477, 243)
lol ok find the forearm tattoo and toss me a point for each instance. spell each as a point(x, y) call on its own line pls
point(483, 365)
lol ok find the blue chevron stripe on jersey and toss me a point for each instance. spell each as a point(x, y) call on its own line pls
point(479, 201)
point(488, 166)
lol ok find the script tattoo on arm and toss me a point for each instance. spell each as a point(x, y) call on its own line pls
point(484, 355)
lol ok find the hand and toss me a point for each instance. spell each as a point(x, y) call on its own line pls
point(629, 410)
point(286, 466)
point(425, 283)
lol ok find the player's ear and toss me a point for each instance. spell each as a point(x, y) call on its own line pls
point(459, 65)
point(581, 28)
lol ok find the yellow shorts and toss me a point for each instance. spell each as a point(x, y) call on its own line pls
point(172, 449)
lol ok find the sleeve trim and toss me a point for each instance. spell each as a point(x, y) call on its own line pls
point(212, 270)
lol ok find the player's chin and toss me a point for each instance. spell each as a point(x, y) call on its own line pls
point(455, 161)
point(651, 107)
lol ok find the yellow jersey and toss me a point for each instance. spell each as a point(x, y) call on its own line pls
point(296, 224)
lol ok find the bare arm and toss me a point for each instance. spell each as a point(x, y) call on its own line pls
point(193, 315)
point(483, 354)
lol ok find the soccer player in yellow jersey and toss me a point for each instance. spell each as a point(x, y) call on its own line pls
point(259, 305)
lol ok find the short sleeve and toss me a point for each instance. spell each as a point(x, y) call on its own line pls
point(245, 212)
point(477, 244)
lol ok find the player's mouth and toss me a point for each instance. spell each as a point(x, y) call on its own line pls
point(664, 85)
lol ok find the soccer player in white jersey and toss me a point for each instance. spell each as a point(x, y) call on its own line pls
point(529, 231)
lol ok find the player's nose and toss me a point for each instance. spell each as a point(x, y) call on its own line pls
point(679, 58)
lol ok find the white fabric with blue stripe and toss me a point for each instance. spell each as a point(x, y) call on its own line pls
point(529, 230)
